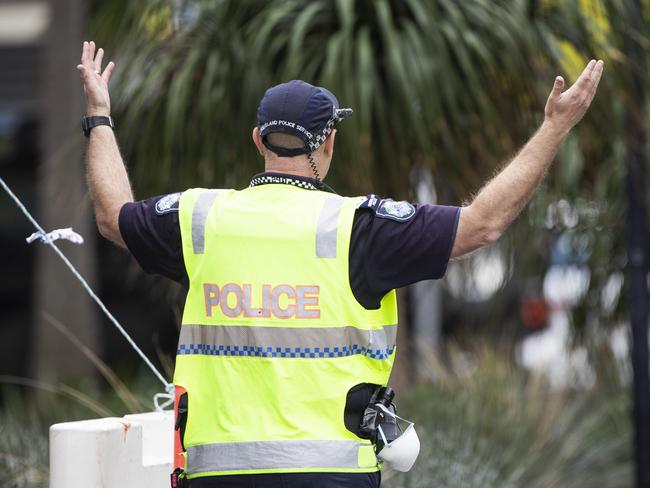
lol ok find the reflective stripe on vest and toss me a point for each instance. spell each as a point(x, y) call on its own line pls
point(199, 215)
point(275, 455)
point(328, 226)
point(291, 342)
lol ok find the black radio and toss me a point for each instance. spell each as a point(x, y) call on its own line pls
point(375, 416)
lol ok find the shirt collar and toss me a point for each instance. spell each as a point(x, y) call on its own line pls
point(285, 179)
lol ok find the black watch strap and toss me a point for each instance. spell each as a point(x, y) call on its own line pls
point(88, 122)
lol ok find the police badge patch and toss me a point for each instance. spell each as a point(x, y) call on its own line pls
point(400, 211)
point(168, 203)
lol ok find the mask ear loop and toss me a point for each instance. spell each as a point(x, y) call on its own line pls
point(395, 416)
point(383, 436)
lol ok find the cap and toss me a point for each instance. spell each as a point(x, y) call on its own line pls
point(299, 109)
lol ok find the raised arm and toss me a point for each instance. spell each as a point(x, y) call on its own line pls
point(107, 178)
point(502, 199)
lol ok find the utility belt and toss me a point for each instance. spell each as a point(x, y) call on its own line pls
point(396, 448)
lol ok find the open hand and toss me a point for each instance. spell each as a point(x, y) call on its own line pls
point(565, 109)
point(98, 101)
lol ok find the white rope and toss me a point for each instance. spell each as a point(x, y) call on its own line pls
point(68, 234)
point(49, 238)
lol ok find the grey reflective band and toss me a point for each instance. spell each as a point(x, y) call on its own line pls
point(235, 456)
point(289, 342)
point(327, 227)
point(200, 212)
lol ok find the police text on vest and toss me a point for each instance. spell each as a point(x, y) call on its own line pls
point(281, 301)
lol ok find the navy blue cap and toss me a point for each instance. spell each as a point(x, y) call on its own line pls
point(299, 109)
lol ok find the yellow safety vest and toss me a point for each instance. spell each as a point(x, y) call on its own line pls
point(272, 336)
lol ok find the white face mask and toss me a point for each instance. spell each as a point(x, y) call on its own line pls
point(400, 454)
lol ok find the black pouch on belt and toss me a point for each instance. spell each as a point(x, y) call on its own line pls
point(178, 479)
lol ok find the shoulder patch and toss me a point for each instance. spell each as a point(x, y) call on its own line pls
point(168, 203)
point(390, 209)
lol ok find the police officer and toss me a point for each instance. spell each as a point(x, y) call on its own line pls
point(290, 318)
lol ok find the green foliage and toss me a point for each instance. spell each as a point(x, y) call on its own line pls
point(497, 426)
point(23, 451)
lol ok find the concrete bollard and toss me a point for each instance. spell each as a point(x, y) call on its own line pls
point(134, 451)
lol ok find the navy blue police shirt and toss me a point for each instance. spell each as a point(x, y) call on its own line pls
point(393, 244)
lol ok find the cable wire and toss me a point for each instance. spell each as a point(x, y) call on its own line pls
point(169, 388)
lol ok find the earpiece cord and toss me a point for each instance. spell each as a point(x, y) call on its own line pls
point(312, 163)
point(314, 168)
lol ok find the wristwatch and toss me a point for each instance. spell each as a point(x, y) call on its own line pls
point(88, 122)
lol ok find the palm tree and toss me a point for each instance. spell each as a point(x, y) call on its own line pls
point(442, 83)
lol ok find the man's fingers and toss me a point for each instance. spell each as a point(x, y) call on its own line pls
point(586, 73)
point(88, 54)
point(558, 86)
point(597, 75)
point(90, 61)
point(84, 50)
point(98, 60)
point(91, 51)
point(585, 87)
point(106, 75)
point(581, 88)
point(586, 77)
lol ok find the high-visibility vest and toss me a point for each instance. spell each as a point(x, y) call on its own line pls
point(272, 336)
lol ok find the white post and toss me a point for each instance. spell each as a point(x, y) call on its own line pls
point(134, 451)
